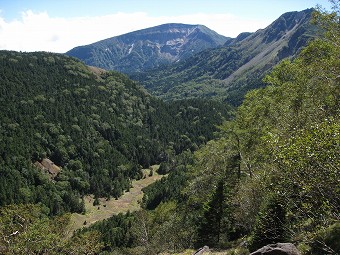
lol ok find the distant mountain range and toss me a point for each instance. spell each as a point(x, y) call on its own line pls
point(176, 61)
point(230, 71)
point(148, 48)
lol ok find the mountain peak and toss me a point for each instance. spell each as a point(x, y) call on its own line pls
point(148, 48)
point(230, 71)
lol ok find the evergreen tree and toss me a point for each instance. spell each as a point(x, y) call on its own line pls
point(271, 224)
point(210, 228)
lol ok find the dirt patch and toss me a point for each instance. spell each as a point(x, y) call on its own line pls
point(96, 70)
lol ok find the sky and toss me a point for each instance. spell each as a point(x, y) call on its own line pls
point(60, 25)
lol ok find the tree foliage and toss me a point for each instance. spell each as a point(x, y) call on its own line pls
point(99, 127)
point(271, 174)
point(279, 157)
point(26, 229)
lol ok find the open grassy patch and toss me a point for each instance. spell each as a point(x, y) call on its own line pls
point(129, 201)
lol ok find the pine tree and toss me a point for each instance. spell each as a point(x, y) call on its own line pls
point(210, 229)
point(270, 226)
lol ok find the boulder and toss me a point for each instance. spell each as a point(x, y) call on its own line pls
point(277, 249)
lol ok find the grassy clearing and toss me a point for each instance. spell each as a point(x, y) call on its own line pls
point(127, 202)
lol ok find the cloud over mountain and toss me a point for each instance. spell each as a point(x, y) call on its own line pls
point(38, 31)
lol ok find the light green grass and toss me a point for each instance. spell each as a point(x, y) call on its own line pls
point(129, 201)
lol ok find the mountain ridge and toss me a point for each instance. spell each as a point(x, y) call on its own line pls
point(231, 70)
point(148, 48)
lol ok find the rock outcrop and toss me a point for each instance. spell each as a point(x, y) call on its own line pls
point(277, 249)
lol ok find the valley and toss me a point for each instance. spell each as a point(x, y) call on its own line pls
point(172, 138)
point(228, 72)
point(129, 201)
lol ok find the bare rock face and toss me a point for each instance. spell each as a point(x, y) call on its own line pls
point(277, 249)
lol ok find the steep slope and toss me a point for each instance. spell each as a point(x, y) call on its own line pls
point(230, 71)
point(98, 126)
point(148, 48)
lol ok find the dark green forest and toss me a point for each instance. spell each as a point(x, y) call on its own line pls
point(263, 173)
point(100, 128)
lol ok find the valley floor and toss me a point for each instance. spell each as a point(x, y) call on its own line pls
point(129, 201)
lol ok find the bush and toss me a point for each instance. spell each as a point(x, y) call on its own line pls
point(270, 226)
point(96, 201)
point(164, 168)
point(327, 241)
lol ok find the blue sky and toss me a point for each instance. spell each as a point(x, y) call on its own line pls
point(59, 25)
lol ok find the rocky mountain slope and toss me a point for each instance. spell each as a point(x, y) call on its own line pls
point(232, 70)
point(148, 48)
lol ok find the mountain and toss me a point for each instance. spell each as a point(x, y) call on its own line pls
point(148, 48)
point(232, 70)
point(98, 127)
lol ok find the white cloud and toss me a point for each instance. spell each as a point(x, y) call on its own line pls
point(39, 32)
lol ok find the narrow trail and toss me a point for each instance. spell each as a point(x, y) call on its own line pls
point(129, 201)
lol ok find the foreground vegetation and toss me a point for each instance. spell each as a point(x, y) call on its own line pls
point(273, 173)
point(270, 175)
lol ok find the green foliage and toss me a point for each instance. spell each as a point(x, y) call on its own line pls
point(99, 127)
point(278, 159)
point(26, 229)
point(210, 228)
point(291, 132)
point(86, 243)
point(113, 232)
point(164, 229)
point(271, 224)
point(271, 173)
point(170, 187)
point(326, 241)
point(96, 201)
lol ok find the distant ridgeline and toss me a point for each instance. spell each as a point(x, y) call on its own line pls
point(99, 127)
point(148, 48)
point(176, 61)
point(268, 175)
point(229, 71)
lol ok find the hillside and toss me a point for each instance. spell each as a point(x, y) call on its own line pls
point(99, 128)
point(272, 174)
point(148, 48)
point(230, 71)
point(73, 137)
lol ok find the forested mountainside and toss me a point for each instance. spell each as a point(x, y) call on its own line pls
point(271, 175)
point(268, 175)
point(148, 48)
point(99, 127)
point(230, 71)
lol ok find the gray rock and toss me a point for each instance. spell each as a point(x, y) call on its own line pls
point(277, 249)
point(202, 250)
